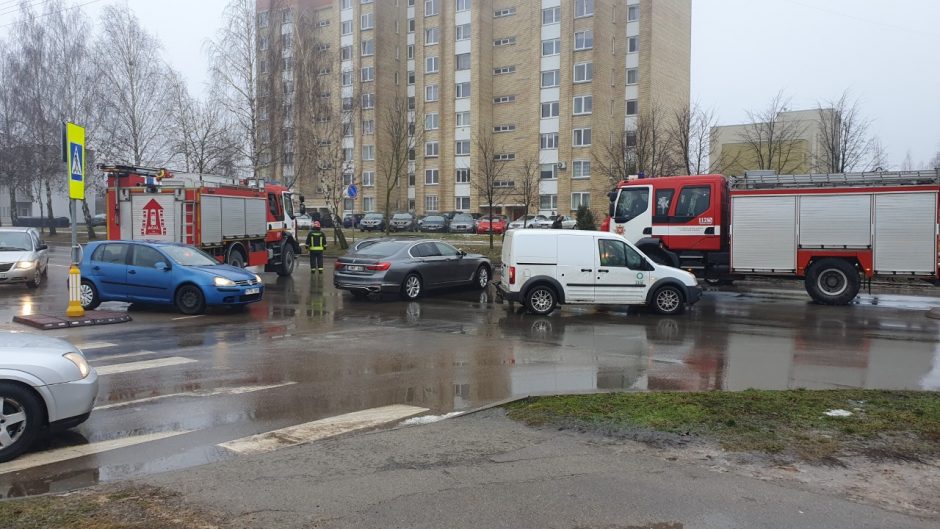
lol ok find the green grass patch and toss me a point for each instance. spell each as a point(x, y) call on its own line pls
point(884, 424)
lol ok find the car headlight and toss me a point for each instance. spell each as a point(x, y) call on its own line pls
point(223, 282)
point(79, 362)
point(258, 278)
point(25, 265)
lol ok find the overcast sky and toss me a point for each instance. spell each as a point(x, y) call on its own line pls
point(743, 52)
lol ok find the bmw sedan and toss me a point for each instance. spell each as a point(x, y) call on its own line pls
point(163, 273)
point(45, 385)
point(409, 268)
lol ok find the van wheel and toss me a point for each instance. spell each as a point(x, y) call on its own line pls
point(668, 300)
point(541, 300)
point(833, 282)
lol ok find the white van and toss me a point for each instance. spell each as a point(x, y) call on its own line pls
point(545, 268)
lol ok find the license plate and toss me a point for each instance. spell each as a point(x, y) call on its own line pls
point(355, 268)
point(251, 291)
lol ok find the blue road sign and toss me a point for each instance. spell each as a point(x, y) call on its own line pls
point(352, 191)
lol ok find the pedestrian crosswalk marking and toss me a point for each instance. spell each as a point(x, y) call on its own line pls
point(95, 345)
point(144, 364)
point(202, 394)
point(106, 358)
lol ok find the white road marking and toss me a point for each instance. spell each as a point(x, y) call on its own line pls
point(143, 364)
point(188, 317)
point(122, 355)
point(60, 266)
point(95, 345)
point(71, 452)
point(202, 394)
point(322, 429)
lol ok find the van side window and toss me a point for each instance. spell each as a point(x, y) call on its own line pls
point(617, 254)
point(693, 201)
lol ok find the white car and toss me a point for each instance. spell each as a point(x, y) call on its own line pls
point(304, 222)
point(45, 385)
point(527, 221)
point(24, 257)
point(567, 223)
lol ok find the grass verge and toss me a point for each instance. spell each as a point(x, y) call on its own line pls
point(133, 508)
point(896, 425)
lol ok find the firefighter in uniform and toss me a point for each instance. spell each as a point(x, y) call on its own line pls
point(316, 242)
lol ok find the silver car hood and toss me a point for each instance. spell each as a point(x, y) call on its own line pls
point(40, 356)
point(15, 256)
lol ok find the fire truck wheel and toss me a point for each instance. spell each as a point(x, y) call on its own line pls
point(236, 258)
point(190, 300)
point(833, 282)
point(88, 295)
point(288, 261)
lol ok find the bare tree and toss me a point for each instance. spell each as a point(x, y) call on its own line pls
point(653, 149)
point(690, 135)
point(845, 143)
point(616, 158)
point(527, 183)
point(202, 139)
point(488, 181)
point(935, 163)
point(908, 163)
point(398, 139)
point(334, 163)
point(878, 159)
point(312, 64)
point(771, 140)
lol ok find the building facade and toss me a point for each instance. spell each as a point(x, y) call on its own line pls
point(542, 82)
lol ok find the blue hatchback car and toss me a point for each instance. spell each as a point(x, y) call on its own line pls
point(165, 273)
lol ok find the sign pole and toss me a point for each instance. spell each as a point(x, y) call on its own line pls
point(74, 150)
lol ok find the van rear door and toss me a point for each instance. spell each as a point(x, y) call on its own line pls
point(576, 267)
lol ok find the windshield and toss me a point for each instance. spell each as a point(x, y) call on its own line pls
point(632, 203)
point(373, 216)
point(289, 204)
point(189, 256)
point(463, 218)
point(15, 241)
point(402, 216)
point(434, 220)
point(383, 249)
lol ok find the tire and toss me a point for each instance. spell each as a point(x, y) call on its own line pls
point(833, 282)
point(411, 287)
point(236, 258)
point(668, 300)
point(541, 300)
point(34, 283)
point(88, 295)
point(190, 300)
point(22, 419)
point(659, 257)
point(482, 277)
point(288, 261)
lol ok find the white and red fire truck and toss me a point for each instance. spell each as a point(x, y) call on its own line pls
point(239, 222)
point(833, 230)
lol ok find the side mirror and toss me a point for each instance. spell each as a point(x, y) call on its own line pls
point(303, 208)
point(613, 197)
point(160, 265)
point(461, 253)
point(43, 246)
point(301, 197)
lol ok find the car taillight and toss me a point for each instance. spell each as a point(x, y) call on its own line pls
point(338, 265)
point(512, 275)
point(379, 267)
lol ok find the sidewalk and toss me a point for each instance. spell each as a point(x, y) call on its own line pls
point(485, 471)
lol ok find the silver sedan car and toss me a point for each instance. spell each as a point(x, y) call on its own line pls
point(24, 257)
point(45, 385)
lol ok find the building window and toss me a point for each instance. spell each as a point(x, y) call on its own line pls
point(368, 48)
point(368, 127)
point(506, 12)
point(263, 43)
point(583, 8)
point(550, 109)
point(632, 107)
point(463, 32)
point(583, 105)
point(549, 140)
point(431, 7)
point(505, 157)
point(346, 53)
point(347, 27)
point(368, 100)
point(630, 138)
point(501, 100)
point(348, 130)
point(584, 40)
point(346, 4)
point(502, 70)
point(463, 90)
point(368, 152)
point(463, 5)
point(582, 137)
point(547, 171)
point(411, 25)
point(431, 65)
point(463, 61)
point(368, 179)
point(462, 148)
point(368, 203)
point(431, 92)
point(633, 13)
point(346, 78)
point(263, 18)
point(462, 176)
point(583, 72)
point(581, 169)
point(505, 41)
point(552, 15)
point(432, 177)
point(547, 202)
point(368, 74)
point(551, 78)
point(432, 149)
point(411, 51)
point(367, 21)
point(324, 23)
point(633, 44)
point(580, 199)
point(551, 47)
point(463, 119)
point(461, 203)
point(431, 36)
point(632, 75)
point(432, 121)
point(348, 154)
point(430, 203)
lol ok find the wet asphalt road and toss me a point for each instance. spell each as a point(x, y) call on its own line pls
point(179, 386)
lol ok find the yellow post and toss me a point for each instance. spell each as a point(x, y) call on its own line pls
point(75, 309)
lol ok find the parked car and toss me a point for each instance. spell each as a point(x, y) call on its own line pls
point(567, 223)
point(546, 268)
point(409, 267)
point(372, 222)
point(434, 223)
point(496, 224)
point(42, 222)
point(99, 219)
point(462, 223)
point(323, 217)
point(45, 385)
point(526, 221)
point(304, 222)
point(402, 222)
point(24, 257)
point(163, 273)
point(351, 220)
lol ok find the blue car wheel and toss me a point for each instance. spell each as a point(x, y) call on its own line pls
point(190, 300)
point(88, 295)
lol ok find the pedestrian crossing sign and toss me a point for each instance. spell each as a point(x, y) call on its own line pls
point(75, 161)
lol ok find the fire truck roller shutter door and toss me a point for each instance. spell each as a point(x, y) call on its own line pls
point(210, 213)
point(256, 224)
point(233, 217)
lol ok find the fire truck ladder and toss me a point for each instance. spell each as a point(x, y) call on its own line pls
point(189, 222)
point(803, 181)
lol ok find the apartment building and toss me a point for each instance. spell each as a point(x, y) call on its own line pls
point(544, 82)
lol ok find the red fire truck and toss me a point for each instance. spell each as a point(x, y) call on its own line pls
point(832, 230)
point(239, 222)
